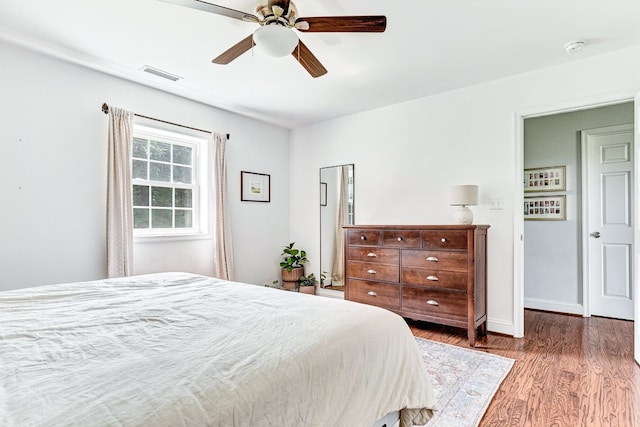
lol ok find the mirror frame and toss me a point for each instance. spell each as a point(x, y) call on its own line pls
point(353, 216)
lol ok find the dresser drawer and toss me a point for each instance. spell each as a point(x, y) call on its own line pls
point(434, 302)
point(441, 260)
point(380, 294)
point(435, 278)
point(374, 254)
point(373, 271)
point(444, 239)
point(401, 238)
point(364, 237)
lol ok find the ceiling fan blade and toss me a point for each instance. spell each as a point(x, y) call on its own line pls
point(343, 24)
point(304, 56)
point(235, 51)
point(214, 8)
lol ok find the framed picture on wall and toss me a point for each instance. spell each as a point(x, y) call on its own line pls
point(545, 208)
point(255, 187)
point(323, 194)
point(545, 179)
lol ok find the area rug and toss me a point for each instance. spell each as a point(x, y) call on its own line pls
point(464, 381)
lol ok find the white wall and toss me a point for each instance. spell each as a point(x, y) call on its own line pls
point(53, 153)
point(407, 155)
point(553, 249)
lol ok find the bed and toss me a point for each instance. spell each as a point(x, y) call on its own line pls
point(178, 349)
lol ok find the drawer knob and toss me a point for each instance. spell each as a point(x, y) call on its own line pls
point(400, 239)
point(363, 237)
point(371, 271)
point(433, 278)
point(433, 302)
point(372, 255)
point(443, 240)
point(372, 294)
point(432, 259)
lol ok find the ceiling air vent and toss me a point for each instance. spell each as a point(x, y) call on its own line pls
point(160, 73)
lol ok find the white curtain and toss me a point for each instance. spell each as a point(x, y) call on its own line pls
point(119, 199)
point(337, 273)
point(223, 251)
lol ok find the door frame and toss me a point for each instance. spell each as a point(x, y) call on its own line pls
point(518, 195)
point(586, 285)
point(636, 238)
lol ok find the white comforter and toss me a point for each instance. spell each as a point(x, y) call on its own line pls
point(184, 350)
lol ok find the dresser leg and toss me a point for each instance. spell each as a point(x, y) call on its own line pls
point(483, 329)
point(472, 337)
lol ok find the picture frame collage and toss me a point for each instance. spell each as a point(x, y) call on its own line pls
point(545, 207)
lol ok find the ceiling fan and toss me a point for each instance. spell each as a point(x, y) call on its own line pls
point(277, 20)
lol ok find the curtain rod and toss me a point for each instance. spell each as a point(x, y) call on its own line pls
point(105, 109)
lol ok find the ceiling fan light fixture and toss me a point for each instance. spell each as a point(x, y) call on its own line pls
point(275, 40)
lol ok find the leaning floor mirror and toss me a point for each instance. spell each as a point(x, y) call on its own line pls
point(336, 210)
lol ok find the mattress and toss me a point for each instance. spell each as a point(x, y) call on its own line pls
point(177, 349)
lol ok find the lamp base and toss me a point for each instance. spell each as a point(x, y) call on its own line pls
point(463, 215)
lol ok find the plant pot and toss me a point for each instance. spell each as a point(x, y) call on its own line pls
point(292, 276)
point(307, 290)
point(291, 286)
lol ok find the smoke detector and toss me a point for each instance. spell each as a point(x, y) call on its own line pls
point(574, 46)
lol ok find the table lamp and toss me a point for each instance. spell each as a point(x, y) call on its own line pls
point(463, 196)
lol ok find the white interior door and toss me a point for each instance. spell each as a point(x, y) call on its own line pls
point(610, 218)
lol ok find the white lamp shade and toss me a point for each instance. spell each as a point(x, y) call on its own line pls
point(275, 40)
point(463, 195)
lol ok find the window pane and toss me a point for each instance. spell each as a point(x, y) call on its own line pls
point(183, 198)
point(159, 172)
point(141, 196)
point(182, 174)
point(140, 148)
point(182, 155)
point(140, 218)
point(183, 219)
point(165, 183)
point(139, 169)
point(161, 218)
point(161, 196)
point(160, 151)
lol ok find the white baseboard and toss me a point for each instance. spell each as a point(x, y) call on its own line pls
point(500, 326)
point(324, 292)
point(558, 307)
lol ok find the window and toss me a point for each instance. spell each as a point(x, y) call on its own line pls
point(167, 185)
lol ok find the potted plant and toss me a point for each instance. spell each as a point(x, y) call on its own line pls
point(323, 278)
point(307, 284)
point(292, 265)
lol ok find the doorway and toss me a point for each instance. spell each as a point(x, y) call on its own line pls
point(555, 265)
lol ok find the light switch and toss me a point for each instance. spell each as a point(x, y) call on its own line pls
point(495, 203)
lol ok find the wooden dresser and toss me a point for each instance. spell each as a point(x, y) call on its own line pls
point(435, 273)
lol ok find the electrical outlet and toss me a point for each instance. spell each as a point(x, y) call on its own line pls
point(495, 203)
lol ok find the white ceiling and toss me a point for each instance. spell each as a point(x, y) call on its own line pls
point(429, 47)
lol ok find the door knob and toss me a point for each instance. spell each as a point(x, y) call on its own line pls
point(595, 234)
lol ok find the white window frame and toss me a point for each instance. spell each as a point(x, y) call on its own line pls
point(201, 203)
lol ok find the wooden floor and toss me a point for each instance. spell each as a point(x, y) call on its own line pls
point(568, 371)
